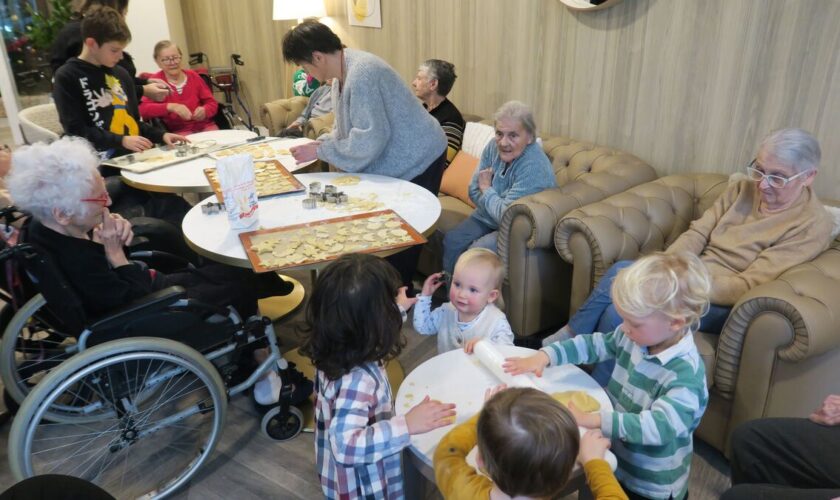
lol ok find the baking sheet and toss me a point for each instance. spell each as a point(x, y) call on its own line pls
point(325, 240)
point(271, 177)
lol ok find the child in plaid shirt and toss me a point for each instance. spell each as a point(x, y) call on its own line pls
point(354, 320)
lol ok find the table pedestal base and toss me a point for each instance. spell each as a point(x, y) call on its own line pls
point(280, 306)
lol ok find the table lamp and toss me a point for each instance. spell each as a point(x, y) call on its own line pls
point(298, 9)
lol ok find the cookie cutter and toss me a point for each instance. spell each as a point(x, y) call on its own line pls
point(212, 208)
point(329, 188)
point(315, 187)
point(309, 203)
point(342, 198)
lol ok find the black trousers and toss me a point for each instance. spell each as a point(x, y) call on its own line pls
point(785, 458)
point(53, 486)
point(406, 261)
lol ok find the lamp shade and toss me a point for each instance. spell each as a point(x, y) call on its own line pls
point(298, 9)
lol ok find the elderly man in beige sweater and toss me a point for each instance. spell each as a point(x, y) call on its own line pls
point(757, 229)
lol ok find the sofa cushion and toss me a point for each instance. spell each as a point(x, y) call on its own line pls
point(476, 137)
point(457, 176)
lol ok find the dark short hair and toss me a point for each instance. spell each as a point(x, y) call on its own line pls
point(443, 72)
point(352, 317)
point(529, 442)
point(119, 5)
point(104, 25)
point(307, 37)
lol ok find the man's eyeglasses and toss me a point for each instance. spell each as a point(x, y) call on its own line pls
point(102, 199)
point(170, 59)
point(775, 181)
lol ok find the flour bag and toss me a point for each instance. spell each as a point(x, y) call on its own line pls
point(239, 190)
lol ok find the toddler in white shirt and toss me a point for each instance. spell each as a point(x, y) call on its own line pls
point(470, 314)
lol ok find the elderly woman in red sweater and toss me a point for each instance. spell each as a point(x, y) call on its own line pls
point(190, 106)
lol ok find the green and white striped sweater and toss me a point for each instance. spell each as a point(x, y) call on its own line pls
point(658, 401)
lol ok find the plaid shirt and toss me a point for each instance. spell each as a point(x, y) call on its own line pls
point(357, 440)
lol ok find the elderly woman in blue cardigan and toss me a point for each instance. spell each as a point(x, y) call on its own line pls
point(511, 167)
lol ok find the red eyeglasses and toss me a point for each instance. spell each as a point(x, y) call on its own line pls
point(102, 199)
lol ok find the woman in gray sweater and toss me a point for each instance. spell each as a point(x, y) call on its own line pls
point(380, 126)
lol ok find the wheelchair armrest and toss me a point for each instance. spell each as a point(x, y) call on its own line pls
point(155, 301)
point(163, 260)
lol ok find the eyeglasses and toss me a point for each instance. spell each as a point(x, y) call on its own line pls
point(103, 199)
point(170, 59)
point(775, 181)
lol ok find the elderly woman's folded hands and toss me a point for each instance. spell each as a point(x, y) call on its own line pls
point(114, 233)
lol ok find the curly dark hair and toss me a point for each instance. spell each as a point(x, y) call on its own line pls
point(352, 317)
point(307, 37)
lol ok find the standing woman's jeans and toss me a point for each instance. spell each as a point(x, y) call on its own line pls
point(598, 314)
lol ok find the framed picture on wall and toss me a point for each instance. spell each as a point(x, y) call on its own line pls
point(365, 13)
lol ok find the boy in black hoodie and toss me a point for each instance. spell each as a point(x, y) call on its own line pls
point(95, 97)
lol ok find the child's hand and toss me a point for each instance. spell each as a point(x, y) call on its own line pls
point(593, 445)
point(403, 300)
point(588, 420)
point(171, 139)
point(492, 391)
point(429, 415)
point(432, 283)
point(136, 143)
point(532, 364)
point(469, 346)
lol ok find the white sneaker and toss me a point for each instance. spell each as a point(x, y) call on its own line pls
point(560, 335)
point(267, 390)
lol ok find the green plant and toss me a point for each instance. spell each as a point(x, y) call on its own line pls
point(45, 26)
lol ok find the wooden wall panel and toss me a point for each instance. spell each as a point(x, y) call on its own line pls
point(688, 85)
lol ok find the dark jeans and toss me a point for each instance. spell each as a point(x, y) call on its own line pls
point(406, 261)
point(785, 458)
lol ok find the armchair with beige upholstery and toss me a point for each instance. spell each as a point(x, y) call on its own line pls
point(779, 351)
point(40, 123)
point(277, 115)
point(537, 282)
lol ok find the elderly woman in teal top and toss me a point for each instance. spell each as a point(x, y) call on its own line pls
point(511, 167)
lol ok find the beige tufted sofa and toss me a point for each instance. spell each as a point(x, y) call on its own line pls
point(537, 283)
point(277, 115)
point(779, 351)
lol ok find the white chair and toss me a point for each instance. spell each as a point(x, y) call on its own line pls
point(40, 123)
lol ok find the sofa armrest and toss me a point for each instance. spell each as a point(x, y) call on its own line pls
point(806, 297)
point(319, 125)
point(536, 287)
point(277, 115)
point(643, 219)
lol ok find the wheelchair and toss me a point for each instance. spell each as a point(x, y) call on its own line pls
point(135, 401)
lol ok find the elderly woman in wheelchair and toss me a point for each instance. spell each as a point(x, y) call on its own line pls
point(108, 352)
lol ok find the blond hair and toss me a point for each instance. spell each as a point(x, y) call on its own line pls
point(676, 285)
point(486, 257)
point(528, 442)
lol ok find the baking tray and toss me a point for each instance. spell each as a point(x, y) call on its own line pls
point(159, 157)
point(325, 240)
point(271, 177)
point(263, 149)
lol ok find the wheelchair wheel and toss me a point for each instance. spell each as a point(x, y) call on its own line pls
point(281, 427)
point(31, 347)
point(154, 410)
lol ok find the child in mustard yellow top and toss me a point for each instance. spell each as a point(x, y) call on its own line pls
point(527, 445)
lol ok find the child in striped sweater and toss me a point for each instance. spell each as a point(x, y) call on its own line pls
point(658, 386)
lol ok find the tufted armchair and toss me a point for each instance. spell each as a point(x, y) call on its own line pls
point(779, 351)
point(277, 115)
point(537, 285)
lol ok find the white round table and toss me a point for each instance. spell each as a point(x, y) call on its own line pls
point(456, 377)
point(188, 176)
point(211, 236)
